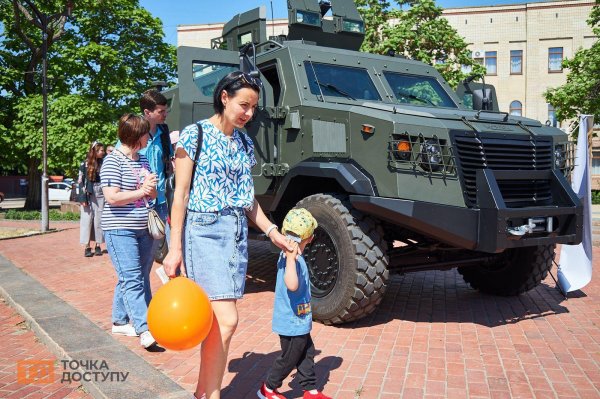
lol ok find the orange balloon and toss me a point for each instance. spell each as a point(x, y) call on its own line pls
point(180, 315)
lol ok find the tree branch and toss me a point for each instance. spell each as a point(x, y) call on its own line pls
point(17, 8)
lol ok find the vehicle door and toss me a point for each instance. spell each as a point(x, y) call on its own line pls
point(199, 71)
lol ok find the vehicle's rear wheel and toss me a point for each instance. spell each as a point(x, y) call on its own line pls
point(346, 260)
point(511, 273)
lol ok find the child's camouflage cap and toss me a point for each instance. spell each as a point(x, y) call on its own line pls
point(300, 222)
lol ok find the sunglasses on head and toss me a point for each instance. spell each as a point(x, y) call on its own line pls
point(249, 80)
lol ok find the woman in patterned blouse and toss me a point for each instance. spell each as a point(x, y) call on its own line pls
point(209, 216)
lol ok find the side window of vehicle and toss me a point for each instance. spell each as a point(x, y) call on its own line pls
point(206, 75)
point(269, 72)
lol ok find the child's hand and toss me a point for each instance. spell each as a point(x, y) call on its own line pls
point(293, 252)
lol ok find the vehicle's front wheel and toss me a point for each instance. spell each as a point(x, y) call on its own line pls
point(346, 260)
point(511, 273)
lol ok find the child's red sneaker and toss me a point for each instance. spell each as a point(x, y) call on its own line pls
point(264, 394)
point(318, 395)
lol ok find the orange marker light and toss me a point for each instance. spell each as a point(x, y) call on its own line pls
point(367, 129)
point(403, 146)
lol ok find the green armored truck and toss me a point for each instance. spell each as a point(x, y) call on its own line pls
point(400, 174)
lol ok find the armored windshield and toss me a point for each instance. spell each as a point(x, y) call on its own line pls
point(418, 90)
point(340, 81)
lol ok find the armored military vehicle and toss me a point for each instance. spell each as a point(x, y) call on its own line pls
point(399, 173)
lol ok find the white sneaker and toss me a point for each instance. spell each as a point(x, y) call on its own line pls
point(146, 339)
point(126, 329)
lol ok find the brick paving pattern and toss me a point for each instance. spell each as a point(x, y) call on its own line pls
point(20, 344)
point(432, 336)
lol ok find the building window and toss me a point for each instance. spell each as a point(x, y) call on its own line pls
point(555, 58)
point(595, 162)
point(516, 62)
point(552, 121)
point(491, 58)
point(516, 108)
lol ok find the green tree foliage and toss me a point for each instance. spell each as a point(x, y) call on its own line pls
point(417, 30)
point(100, 58)
point(67, 130)
point(581, 93)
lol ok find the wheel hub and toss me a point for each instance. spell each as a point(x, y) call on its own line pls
point(323, 264)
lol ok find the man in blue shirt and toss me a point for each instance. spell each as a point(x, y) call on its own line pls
point(158, 152)
point(292, 315)
point(154, 108)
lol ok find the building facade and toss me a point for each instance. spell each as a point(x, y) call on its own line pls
point(522, 47)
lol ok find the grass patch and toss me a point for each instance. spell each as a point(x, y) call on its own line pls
point(9, 232)
point(53, 214)
point(596, 197)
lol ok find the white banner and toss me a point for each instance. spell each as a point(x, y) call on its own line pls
point(575, 269)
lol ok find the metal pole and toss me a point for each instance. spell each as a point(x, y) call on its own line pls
point(45, 219)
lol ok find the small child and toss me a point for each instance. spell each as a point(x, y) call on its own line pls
point(292, 316)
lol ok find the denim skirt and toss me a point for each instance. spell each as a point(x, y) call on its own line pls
point(215, 245)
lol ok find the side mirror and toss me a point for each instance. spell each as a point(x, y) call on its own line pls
point(481, 101)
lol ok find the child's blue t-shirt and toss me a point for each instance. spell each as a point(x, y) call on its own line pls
point(292, 315)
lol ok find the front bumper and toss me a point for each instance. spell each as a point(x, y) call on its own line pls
point(485, 227)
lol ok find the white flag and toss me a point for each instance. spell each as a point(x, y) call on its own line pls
point(575, 269)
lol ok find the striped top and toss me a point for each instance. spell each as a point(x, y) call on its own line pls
point(127, 175)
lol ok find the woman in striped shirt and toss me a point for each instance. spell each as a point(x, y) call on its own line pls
point(129, 189)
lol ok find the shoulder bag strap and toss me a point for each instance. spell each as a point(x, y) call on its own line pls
point(165, 141)
point(244, 141)
point(198, 149)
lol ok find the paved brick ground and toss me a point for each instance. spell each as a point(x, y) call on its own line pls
point(432, 336)
point(20, 344)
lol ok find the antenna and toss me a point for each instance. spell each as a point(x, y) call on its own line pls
point(272, 19)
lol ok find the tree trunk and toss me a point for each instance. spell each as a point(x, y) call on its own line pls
point(34, 186)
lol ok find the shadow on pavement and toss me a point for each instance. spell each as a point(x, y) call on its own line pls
point(252, 368)
point(430, 296)
point(443, 297)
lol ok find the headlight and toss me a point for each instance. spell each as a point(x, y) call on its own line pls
point(431, 156)
point(560, 156)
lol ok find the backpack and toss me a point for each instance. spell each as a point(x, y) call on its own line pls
point(167, 150)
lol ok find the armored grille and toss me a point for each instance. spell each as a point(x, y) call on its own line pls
point(499, 152)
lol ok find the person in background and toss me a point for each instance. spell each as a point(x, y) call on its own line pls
point(212, 224)
point(159, 152)
point(129, 188)
point(109, 149)
point(91, 200)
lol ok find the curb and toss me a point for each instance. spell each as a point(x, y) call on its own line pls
point(69, 335)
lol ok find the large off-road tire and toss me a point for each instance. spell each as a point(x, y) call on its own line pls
point(346, 259)
point(515, 271)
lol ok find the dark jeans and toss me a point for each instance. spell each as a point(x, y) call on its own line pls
point(296, 353)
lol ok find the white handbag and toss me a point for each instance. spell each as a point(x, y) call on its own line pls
point(156, 226)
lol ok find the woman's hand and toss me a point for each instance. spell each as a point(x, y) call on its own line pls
point(281, 241)
point(149, 185)
point(174, 262)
